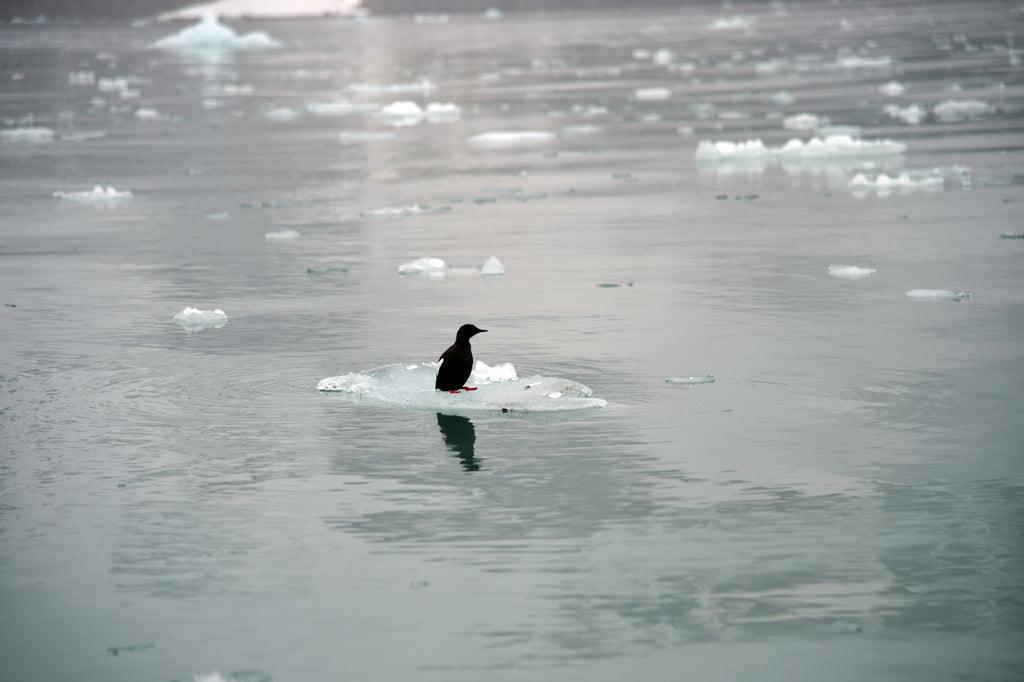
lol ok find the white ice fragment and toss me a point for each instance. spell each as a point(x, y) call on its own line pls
point(28, 135)
point(82, 135)
point(837, 146)
point(493, 13)
point(912, 114)
point(429, 267)
point(98, 195)
point(442, 111)
point(339, 108)
point(82, 78)
point(783, 98)
point(208, 34)
point(492, 266)
point(507, 139)
point(499, 389)
point(934, 180)
point(402, 113)
point(265, 8)
point(652, 94)
point(364, 136)
point(283, 236)
point(803, 121)
point(734, 23)
point(892, 89)
point(692, 380)
point(396, 211)
point(147, 114)
point(936, 295)
point(281, 114)
point(422, 86)
point(724, 150)
point(850, 271)
point(955, 110)
point(857, 61)
point(663, 57)
point(112, 84)
point(194, 319)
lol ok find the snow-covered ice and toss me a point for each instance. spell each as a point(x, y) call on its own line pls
point(98, 195)
point(208, 34)
point(506, 139)
point(937, 295)
point(28, 135)
point(691, 380)
point(403, 211)
point(264, 8)
point(499, 389)
point(427, 266)
point(850, 271)
point(492, 266)
point(934, 180)
point(423, 87)
point(955, 110)
point(194, 319)
point(283, 236)
point(402, 113)
point(817, 148)
point(911, 114)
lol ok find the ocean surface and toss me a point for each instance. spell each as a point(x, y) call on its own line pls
point(844, 501)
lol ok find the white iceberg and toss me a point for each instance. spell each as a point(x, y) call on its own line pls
point(208, 34)
point(499, 389)
point(432, 268)
point(402, 113)
point(937, 295)
point(283, 236)
point(28, 135)
point(652, 94)
point(98, 195)
point(732, 151)
point(194, 319)
point(850, 271)
point(934, 180)
point(492, 266)
point(840, 146)
point(953, 110)
point(691, 380)
point(507, 139)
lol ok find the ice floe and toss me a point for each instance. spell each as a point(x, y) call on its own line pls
point(404, 211)
point(507, 139)
point(817, 148)
point(265, 8)
point(28, 135)
point(937, 295)
point(802, 121)
point(98, 195)
point(850, 271)
point(424, 87)
point(427, 266)
point(499, 389)
point(283, 236)
point(492, 266)
point(194, 319)
point(208, 34)
point(408, 113)
point(652, 94)
point(892, 89)
point(955, 110)
point(934, 180)
point(691, 380)
point(912, 114)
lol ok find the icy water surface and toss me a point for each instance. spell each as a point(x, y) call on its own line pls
point(801, 472)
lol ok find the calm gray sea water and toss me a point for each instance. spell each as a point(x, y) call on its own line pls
point(844, 502)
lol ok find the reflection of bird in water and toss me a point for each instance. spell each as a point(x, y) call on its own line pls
point(460, 437)
point(456, 364)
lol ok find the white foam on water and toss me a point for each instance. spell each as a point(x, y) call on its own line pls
point(499, 389)
point(937, 295)
point(850, 271)
point(194, 319)
point(507, 139)
point(208, 34)
point(283, 236)
point(98, 195)
point(28, 135)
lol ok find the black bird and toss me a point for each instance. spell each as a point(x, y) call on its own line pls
point(456, 364)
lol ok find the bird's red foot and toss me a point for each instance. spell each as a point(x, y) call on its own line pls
point(467, 388)
point(455, 391)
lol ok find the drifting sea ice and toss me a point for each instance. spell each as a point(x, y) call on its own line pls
point(499, 389)
point(892, 89)
point(29, 135)
point(283, 236)
point(507, 139)
point(934, 180)
point(492, 266)
point(208, 34)
point(652, 94)
point(692, 380)
point(953, 110)
point(194, 319)
point(830, 147)
point(429, 267)
point(408, 113)
point(912, 114)
point(850, 271)
point(937, 295)
point(803, 121)
point(98, 195)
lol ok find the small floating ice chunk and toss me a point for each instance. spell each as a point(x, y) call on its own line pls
point(937, 295)
point(892, 89)
point(364, 136)
point(282, 236)
point(1011, 235)
point(838, 146)
point(507, 139)
point(652, 94)
point(692, 380)
point(429, 267)
point(98, 195)
point(732, 151)
point(953, 110)
point(28, 135)
point(282, 114)
point(499, 389)
point(803, 121)
point(856, 61)
point(493, 13)
point(402, 113)
point(82, 78)
point(208, 34)
point(147, 114)
point(850, 271)
point(934, 180)
point(442, 111)
point(734, 23)
point(911, 115)
point(194, 319)
point(492, 266)
point(422, 86)
point(339, 108)
point(398, 211)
